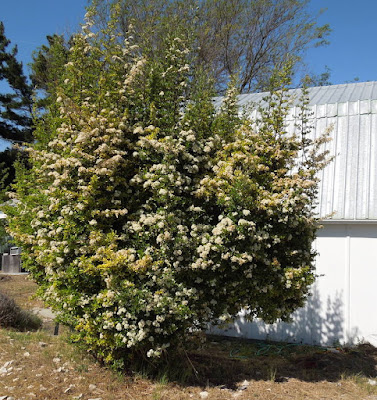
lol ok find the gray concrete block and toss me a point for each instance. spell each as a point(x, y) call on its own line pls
point(11, 264)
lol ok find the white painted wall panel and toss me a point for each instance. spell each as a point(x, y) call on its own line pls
point(342, 305)
point(363, 282)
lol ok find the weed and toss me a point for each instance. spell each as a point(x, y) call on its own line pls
point(163, 380)
point(365, 383)
point(11, 316)
point(82, 368)
point(28, 321)
point(9, 311)
point(271, 372)
point(157, 393)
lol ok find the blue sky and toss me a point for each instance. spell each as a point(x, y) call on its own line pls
point(352, 52)
point(27, 22)
point(353, 48)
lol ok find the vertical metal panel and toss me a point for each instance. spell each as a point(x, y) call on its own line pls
point(315, 95)
point(331, 110)
point(363, 168)
point(342, 109)
point(291, 126)
point(330, 171)
point(321, 111)
point(373, 169)
point(352, 173)
point(373, 94)
point(365, 107)
point(353, 108)
point(291, 116)
point(340, 168)
point(326, 176)
point(355, 93)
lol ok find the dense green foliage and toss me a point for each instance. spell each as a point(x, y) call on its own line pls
point(147, 215)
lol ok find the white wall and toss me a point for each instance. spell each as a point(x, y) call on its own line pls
point(342, 307)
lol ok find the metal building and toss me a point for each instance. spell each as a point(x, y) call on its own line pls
point(344, 297)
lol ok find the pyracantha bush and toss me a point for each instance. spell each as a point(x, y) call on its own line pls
point(147, 214)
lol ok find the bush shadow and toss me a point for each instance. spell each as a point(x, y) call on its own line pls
point(228, 361)
point(231, 358)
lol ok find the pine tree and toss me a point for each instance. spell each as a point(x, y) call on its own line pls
point(15, 106)
point(47, 68)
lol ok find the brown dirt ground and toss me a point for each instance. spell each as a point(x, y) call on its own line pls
point(47, 367)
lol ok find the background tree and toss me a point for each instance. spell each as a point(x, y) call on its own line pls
point(15, 106)
point(322, 79)
point(3, 183)
point(47, 68)
point(7, 159)
point(249, 38)
point(148, 214)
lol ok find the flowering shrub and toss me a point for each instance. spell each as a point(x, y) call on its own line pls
point(147, 215)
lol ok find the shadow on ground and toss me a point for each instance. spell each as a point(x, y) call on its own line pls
point(228, 361)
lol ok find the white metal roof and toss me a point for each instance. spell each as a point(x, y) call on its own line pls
point(320, 95)
point(348, 188)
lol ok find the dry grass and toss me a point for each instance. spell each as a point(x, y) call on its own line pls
point(44, 366)
point(21, 289)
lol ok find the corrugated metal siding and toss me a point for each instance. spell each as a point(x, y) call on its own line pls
point(348, 188)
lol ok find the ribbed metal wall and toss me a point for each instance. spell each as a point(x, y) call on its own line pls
point(348, 188)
